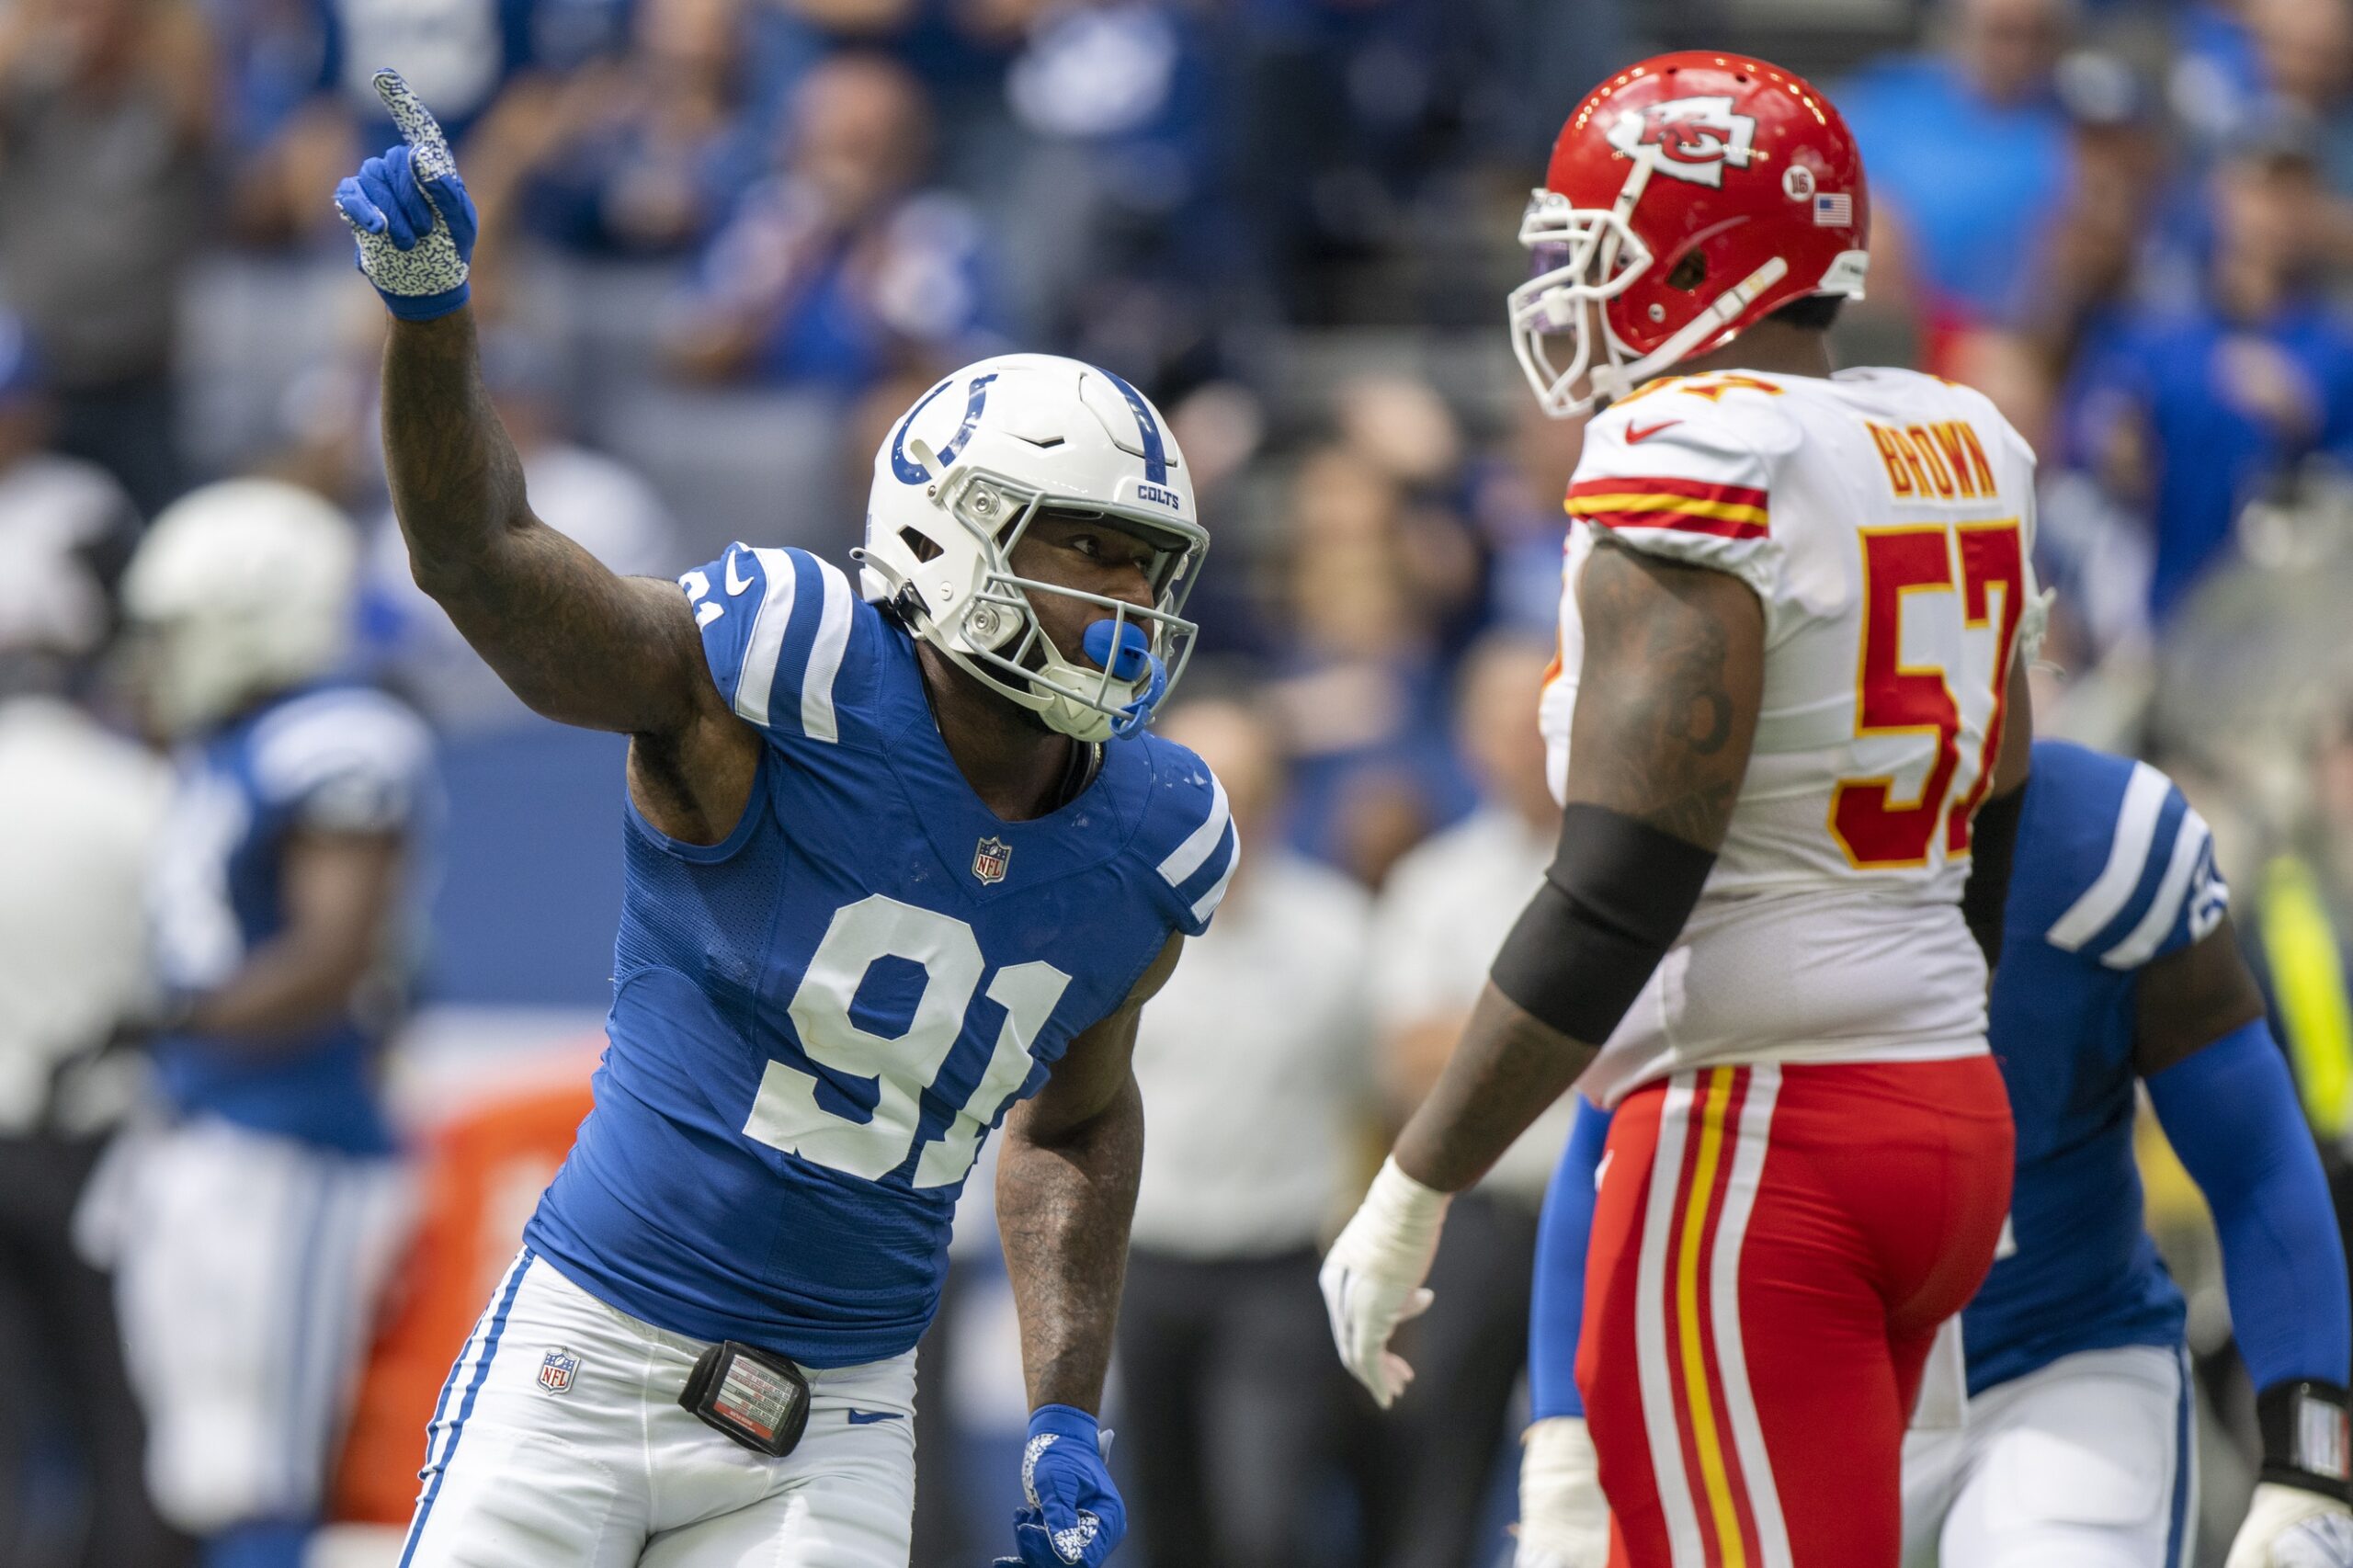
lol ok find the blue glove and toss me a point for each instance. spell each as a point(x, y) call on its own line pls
point(410, 214)
point(1074, 1516)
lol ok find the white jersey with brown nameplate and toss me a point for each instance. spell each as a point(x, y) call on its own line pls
point(1885, 520)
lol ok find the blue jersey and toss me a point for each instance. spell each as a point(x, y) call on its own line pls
point(329, 760)
point(2114, 869)
point(816, 1022)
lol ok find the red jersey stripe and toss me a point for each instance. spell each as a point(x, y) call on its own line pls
point(1652, 484)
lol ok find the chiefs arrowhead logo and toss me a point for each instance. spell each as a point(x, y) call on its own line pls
point(1695, 137)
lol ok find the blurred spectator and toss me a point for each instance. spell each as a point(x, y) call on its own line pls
point(837, 268)
point(638, 153)
point(1398, 426)
point(1443, 914)
point(456, 54)
point(1517, 492)
point(2305, 48)
point(1362, 695)
point(598, 501)
point(79, 812)
point(2187, 414)
point(1253, 1062)
point(1112, 241)
point(52, 507)
point(283, 138)
point(252, 1226)
point(1968, 157)
point(105, 108)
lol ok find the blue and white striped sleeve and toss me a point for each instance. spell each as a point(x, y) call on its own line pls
point(776, 626)
point(347, 759)
point(1201, 866)
point(2158, 891)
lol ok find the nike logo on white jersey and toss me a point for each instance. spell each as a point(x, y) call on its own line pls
point(735, 584)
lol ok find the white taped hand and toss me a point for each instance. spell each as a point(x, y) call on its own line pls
point(1372, 1277)
point(1564, 1518)
point(2288, 1528)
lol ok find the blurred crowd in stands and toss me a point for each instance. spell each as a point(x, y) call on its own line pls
point(727, 240)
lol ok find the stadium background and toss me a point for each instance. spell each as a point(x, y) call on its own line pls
point(727, 240)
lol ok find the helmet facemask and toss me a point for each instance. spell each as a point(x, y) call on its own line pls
point(1585, 258)
point(995, 634)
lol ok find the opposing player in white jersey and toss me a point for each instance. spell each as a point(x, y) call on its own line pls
point(902, 864)
point(253, 1223)
point(1790, 732)
point(2119, 970)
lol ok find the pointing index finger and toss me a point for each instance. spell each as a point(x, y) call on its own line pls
point(429, 147)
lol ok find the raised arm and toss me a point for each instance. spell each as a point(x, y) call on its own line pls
point(576, 642)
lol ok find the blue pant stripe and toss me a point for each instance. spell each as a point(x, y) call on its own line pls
point(2184, 1460)
point(466, 1406)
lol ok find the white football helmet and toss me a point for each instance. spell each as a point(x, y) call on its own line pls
point(958, 480)
point(240, 589)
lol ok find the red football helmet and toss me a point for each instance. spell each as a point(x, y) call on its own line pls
point(1689, 197)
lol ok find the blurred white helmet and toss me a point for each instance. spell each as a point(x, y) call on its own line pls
point(241, 589)
point(960, 480)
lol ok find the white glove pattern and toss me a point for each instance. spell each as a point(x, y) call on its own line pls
point(409, 211)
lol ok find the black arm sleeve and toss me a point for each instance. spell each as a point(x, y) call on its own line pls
point(1993, 840)
point(1613, 901)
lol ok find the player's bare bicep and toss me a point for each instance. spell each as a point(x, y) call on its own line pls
point(1669, 692)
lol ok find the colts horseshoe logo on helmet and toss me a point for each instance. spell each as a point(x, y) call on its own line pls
point(1695, 137)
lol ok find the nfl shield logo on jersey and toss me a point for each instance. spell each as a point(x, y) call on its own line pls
point(557, 1372)
point(990, 860)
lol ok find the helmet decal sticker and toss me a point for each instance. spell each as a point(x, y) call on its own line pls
point(1695, 137)
point(908, 472)
point(977, 401)
point(1155, 451)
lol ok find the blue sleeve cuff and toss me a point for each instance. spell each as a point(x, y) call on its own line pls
point(1556, 1310)
point(1063, 1421)
point(2231, 1116)
point(427, 307)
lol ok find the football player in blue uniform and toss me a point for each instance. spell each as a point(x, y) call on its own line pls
point(254, 1223)
point(902, 865)
point(2118, 969)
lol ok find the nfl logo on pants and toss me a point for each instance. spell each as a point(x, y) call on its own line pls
point(989, 857)
point(556, 1371)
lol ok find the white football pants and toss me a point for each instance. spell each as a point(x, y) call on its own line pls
point(595, 1464)
point(2089, 1463)
point(249, 1268)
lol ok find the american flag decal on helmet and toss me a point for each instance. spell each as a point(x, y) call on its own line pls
point(1833, 210)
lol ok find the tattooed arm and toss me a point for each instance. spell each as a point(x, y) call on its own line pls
point(572, 640)
point(1666, 714)
point(1065, 1191)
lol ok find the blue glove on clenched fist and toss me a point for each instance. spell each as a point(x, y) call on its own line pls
point(410, 212)
point(1074, 1516)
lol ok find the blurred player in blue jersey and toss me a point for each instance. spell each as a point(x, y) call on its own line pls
point(253, 1228)
point(2118, 968)
point(902, 864)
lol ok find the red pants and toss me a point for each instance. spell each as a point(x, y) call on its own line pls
point(1773, 1250)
